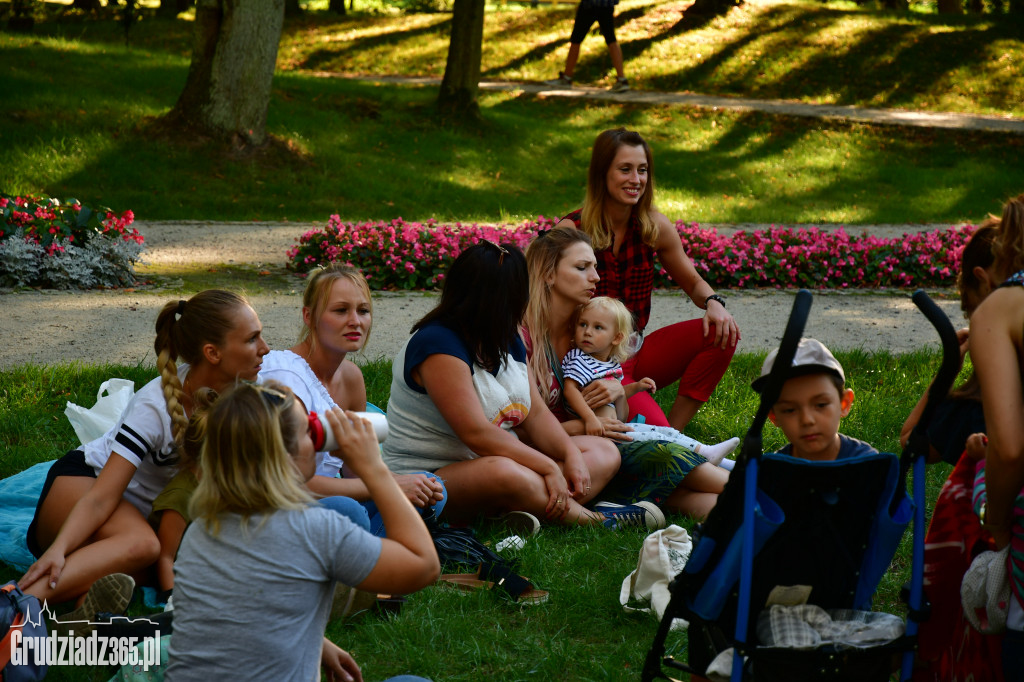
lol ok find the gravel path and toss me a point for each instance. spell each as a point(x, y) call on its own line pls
point(46, 327)
point(895, 117)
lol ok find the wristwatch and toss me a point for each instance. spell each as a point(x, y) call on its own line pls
point(714, 297)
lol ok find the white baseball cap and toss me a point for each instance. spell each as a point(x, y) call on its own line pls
point(811, 357)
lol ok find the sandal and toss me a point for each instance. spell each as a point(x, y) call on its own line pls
point(490, 576)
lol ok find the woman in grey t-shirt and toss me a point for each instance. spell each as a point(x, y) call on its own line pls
point(243, 611)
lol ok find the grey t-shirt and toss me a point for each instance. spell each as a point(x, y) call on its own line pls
point(254, 604)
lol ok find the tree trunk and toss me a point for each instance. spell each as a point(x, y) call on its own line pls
point(462, 70)
point(336, 6)
point(21, 18)
point(950, 7)
point(87, 5)
point(901, 5)
point(234, 52)
point(292, 8)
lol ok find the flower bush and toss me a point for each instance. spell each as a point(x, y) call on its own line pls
point(401, 255)
point(65, 244)
point(404, 255)
point(813, 258)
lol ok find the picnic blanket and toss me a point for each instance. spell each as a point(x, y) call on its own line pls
point(18, 497)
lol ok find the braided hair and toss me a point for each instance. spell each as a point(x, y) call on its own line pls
point(182, 329)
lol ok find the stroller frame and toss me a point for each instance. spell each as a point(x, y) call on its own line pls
point(743, 492)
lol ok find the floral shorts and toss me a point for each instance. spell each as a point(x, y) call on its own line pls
point(650, 472)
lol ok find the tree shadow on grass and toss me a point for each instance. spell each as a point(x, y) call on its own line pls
point(885, 66)
point(881, 168)
point(332, 58)
point(721, 166)
point(369, 151)
point(892, 66)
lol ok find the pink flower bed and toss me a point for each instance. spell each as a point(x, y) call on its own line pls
point(812, 258)
point(408, 255)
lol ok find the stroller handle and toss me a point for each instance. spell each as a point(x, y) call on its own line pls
point(917, 444)
point(752, 442)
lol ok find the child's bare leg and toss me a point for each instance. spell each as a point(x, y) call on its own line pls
point(706, 478)
point(691, 503)
point(698, 492)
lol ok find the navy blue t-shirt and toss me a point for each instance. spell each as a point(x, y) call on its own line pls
point(848, 448)
point(437, 339)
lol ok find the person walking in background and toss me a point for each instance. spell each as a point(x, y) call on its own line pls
point(589, 11)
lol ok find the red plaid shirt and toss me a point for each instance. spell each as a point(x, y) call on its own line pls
point(629, 276)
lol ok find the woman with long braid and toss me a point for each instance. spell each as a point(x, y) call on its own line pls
point(91, 518)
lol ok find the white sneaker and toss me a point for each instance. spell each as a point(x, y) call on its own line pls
point(523, 524)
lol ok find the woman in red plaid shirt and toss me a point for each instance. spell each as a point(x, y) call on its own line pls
point(619, 216)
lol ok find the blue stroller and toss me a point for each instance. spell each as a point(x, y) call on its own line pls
point(832, 527)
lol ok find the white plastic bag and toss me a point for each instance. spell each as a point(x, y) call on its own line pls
point(662, 557)
point(111, 400)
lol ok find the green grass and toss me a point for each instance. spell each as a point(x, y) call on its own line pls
point(582, 633)
point(369, 151)
point(803, 51)
point(837, 53)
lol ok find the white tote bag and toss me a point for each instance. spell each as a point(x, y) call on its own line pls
point(111, 400)
point(662, 557)
point(985, 592)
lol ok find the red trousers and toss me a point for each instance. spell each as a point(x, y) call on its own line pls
point(677, 352)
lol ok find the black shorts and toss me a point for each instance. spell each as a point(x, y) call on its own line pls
point(586, 15)
point(71, 464)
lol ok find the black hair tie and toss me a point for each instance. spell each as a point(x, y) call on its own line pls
point(181, 307)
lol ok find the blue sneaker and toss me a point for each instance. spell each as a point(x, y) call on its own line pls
point(639, 515)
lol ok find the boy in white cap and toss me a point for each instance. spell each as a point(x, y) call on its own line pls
point(812, 401)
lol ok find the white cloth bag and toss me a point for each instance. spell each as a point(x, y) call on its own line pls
point(985, 592)
point(111, 400)
point(663, 556)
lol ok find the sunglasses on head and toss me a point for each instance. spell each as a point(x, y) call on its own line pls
point(501, 249)
point(271, 396)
